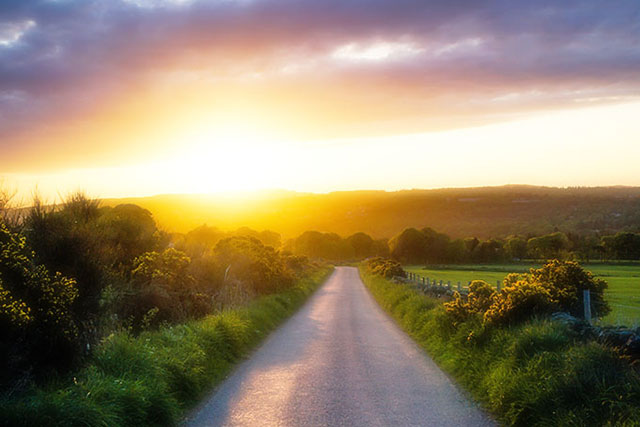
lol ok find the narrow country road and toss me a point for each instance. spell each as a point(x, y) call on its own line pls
point(340, 361)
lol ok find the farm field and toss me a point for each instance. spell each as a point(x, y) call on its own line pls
point(623, 279)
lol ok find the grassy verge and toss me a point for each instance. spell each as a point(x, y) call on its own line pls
point(623, 279)
point(536, 373)
point(152, 379)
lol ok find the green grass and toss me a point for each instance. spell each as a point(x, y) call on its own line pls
point(152, 379)
point(536, 373)
point(623, 278)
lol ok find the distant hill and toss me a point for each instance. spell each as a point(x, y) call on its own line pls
point(460, 212)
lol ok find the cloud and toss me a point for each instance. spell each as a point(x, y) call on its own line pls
point(425, 60)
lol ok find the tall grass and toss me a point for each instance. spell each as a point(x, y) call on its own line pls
point(153, 378)
point(536, 373)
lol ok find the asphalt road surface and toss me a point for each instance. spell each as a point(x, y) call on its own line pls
point(339, 361)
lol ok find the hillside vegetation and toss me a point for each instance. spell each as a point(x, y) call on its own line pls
point(479, 212)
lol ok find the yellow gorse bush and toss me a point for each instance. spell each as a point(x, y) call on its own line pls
point(557, 286)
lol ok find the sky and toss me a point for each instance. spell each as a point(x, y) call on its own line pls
point(140, 97)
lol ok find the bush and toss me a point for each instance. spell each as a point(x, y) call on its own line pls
point(557, 286)
point(519, 302)
point(162, 290)
point(565, 281)
point(248, 260)
point(385, 267)
point(38, 329)
point(478, 300)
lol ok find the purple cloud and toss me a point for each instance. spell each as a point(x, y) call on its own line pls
point(66, 57)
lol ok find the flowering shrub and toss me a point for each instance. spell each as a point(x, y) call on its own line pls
point(557, 286)
point(385, 267)
point(518, 302)
point(36, 321)
point(479, 299)
point(565, 281)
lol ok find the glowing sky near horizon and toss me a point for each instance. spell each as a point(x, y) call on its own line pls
point(130, 98)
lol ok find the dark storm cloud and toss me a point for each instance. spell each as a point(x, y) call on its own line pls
point(58, 57)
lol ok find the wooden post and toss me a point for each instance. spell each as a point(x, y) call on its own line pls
point(441, 283)
point(459, 287)
point(498, 284)
point(587, 305)
point(449, 284)
point(423, 282)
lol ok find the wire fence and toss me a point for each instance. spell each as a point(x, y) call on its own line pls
point(429, 283)
point(621, 314)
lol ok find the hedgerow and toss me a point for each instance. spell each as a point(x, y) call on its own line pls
point(154, 377)
point(533, 372)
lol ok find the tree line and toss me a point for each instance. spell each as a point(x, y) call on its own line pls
point(427, 246)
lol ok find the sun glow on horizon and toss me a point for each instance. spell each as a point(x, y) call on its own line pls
point(563, 148)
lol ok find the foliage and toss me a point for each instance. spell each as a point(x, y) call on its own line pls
point(557, 286)
point(129, 231)
point(516, 248)
point(39, 332)
point(259, 266)
point(330, 246)
point(566, 282)
point(478, 301)
point(385, 267)
point(548, 246)
point(622, 245)
point(125, 273)
point(537, 372)
point(409, 247)
point(67, 240)
point(201, 240)
point(520, 301)
point(162, 290)
point(96, 247)
point(363, 245)
point(167, 269)
point(486, 212)
point(154, 378)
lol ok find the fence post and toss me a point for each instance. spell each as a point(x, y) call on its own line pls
point(587, 305)
point(459, 287)
point(498, 283)
point(423, 282)
point(441, 283)
point(448, 284)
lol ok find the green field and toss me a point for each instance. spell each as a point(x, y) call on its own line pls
point(623, 293)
